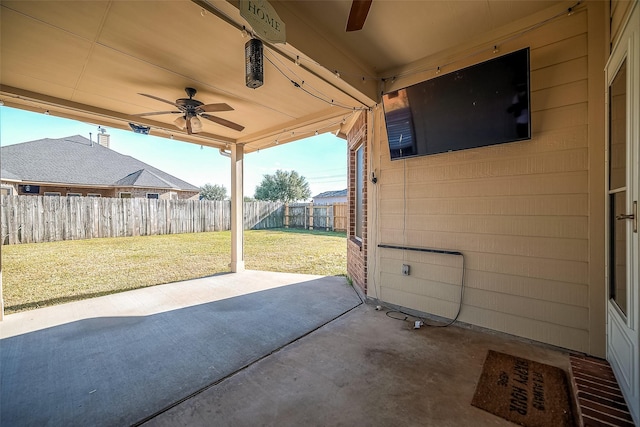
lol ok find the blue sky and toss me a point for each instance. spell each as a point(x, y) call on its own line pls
point(321, 159)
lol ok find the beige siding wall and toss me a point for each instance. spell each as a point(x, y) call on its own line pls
point(620, 10)
point(520, 212)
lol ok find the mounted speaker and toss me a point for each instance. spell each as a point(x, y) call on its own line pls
point(254, 67)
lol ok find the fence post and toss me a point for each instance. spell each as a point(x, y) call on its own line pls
point(286, 215)
point(326, 219)
point(311, 216)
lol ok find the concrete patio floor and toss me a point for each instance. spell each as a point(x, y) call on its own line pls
point(119, 359)
point(362, 369)
point(277, 363)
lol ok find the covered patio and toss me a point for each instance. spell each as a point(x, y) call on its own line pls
point(241, 349)
point(531, 222)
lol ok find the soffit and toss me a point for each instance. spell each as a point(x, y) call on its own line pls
point(89, 60)
point(399, 32)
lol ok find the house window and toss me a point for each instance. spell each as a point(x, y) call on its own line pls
point(74, 194)
point(6, 191)
point(52, 193)
point(29, 189)
point(123, 195)
point(359, 187)
point(94, 195)
point(153, 196)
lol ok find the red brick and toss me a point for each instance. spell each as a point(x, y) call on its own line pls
point(606, 418)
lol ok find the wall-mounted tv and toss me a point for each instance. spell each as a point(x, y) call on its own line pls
point(484, 104)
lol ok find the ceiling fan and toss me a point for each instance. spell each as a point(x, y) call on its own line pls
point(190, 109)
point(358, 14)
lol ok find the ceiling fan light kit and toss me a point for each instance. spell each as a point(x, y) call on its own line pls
point(180, 122)
point(196, 124)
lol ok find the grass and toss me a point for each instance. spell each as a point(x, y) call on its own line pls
point(41, 274)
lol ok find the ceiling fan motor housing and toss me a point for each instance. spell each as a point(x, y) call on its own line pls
point(254, 67)
point(189, 106)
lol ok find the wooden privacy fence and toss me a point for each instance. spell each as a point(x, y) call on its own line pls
point(34, 219)
point(316, 217)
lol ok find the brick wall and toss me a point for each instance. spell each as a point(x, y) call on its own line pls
point(356, 248)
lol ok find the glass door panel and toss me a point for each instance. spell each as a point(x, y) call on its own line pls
point(617, 188)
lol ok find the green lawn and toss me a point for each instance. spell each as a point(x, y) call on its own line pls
point(40, 274)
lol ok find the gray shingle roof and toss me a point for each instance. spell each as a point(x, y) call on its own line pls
point(9, 176)
point(75, 160)
point(337, 193)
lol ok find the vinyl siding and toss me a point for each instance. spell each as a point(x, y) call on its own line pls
point(620, 10)
point(519, 212)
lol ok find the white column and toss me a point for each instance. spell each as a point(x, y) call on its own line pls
point(237, 208)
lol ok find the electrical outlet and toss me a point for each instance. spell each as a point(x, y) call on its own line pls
point(405, 269)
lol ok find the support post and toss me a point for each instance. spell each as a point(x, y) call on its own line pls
point(237, 208)
point(286, 215)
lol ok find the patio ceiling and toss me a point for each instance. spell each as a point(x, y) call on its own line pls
point(89, 60)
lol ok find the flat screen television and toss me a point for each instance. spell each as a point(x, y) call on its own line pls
point(484, 104)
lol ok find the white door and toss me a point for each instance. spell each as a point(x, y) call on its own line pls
point(623, 186)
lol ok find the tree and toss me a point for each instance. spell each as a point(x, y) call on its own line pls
point(213, 192)
point(283, 187)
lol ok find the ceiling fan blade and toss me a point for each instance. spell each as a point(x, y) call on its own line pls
point(223, 122)
point(212, 108)
point(189, 130)
point(160, 99)
point(358, 14)
point(157, 113)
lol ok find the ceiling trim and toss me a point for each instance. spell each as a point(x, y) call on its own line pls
point(24, 99)
point(329, 120)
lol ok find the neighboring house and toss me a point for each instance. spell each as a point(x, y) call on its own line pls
point(76, 166)
point(331, 197)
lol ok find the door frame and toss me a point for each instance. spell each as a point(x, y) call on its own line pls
point(623, 332)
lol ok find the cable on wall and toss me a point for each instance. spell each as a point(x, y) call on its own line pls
point(404, 207)
point(300, 84)
point(462, 284)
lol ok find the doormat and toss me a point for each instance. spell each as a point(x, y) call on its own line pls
point(524, 392)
